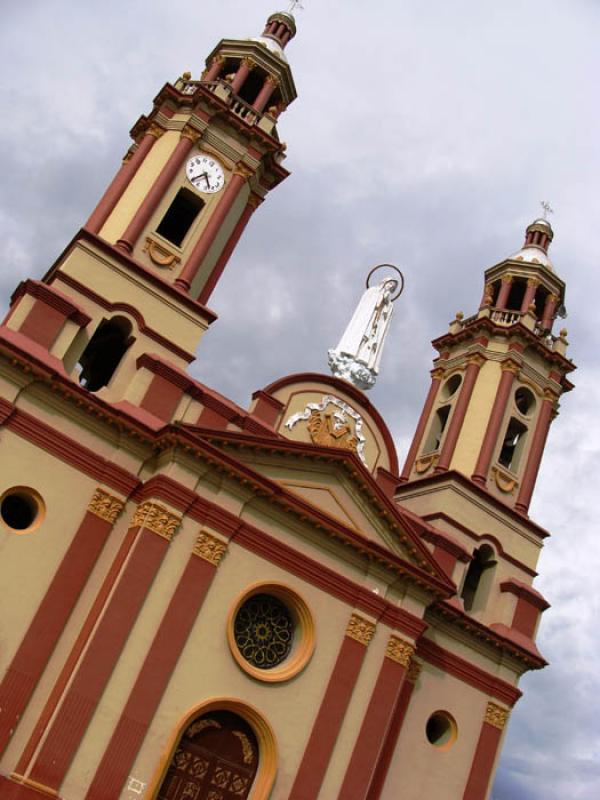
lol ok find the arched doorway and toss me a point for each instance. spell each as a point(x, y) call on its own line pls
point(216, 759)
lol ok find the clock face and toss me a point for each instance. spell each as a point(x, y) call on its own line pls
point(205, 173)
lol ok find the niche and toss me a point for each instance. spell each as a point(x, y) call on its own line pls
point(102, 356)
point(179, 216)
point(512, 446)
point(438, 425)
point(478, 578)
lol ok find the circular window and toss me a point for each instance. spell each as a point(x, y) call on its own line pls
point(524, 400)
point(441, 730)
point(271, 632)
point(21, 509)
point(451, 386)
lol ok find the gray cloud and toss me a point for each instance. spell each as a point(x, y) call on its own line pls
point(424, 134)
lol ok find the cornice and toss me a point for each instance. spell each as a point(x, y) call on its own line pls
point(53, 298)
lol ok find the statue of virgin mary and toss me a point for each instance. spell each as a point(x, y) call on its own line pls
point(358, 353)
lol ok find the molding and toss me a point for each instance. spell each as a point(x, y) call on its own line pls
point(105, 506)
point(210, 548)
point(399, 651)
point(496, 716)
point(53, 298)
point(467, 673)
point(360, 629)
point(526, 592)
point(156, 518)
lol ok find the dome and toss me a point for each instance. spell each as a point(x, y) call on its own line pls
point(532, 255)
point(271, 44)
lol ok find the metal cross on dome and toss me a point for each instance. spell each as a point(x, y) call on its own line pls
point(295, 4)
point(547, 208)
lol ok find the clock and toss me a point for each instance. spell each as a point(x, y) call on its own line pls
point(205, 173)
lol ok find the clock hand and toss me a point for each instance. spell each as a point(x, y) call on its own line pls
point(202, 175)
point(205, 176)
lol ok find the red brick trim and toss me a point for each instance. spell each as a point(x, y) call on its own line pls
point(467, 672)
point(328, 722)
point(161, 398)
point(52, 297)
point(127, 309)
point(42, 324)
point(97, 664)
point(152, 680)
point(483, 763)
point(49, 621)
point(528, 593)
point(458, 416)
point(267, 408)
point(373, 732)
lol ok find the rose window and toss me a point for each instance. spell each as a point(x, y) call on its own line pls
point(264, 631)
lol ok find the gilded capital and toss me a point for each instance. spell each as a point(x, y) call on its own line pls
point(510, 366)
point(274, 81)
point(243, 171)
point(533, 282)
point(414, 670)
point(191, 133)
point(550, 396)
point(496, 716)
point(476, 358)
point(155, 130)
point(360, 629)
point(507, 279)
point(249, 62)
point(156, 518)
point(209, 548)
point(553, 298)
point(105, 506)
point(399, 650)
point(438, 373)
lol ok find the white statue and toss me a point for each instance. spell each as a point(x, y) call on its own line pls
point(358, 354)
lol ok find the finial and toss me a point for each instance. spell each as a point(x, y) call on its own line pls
point(358, 353)
point(295, 4)
point(547, 208)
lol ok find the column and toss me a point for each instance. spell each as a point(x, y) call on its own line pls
point(549, 309)
point(142, 216)
point(485, 755)
point(271, 83)
point(436, 379)
point(391, 740)
point(253, 203)
point(156, 527)
point(55, 609)
point(475, 362)
point(536, 451)
point(213, 72)
point(209, 234)
point(158, 668)
point(376, 724)
point(504, 291)
point(486, 297)
point(509, 371)
point(529, 296)
point(328, 723)
point(245, 68)
point(122, 180)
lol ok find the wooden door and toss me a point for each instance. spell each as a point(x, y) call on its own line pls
point(216, 759)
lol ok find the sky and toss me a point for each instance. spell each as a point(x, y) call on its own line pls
point(425, 134)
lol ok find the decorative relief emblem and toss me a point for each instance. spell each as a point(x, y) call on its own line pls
point(247, 749)
point(210, 548)
point(338, 427)
point(105, 506)
point(159, 254)
point(157, 519)
point(135, 786)
point(496, 716)
point(360, 629)
point(399, 651)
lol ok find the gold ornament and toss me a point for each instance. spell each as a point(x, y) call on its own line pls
point(191, 133)
point(105, 506)
point(210, 548)
point(156, 518)
point(414, 670)
point(360, 629)
point(496, 716)
point(323, 431)
point(399, 650)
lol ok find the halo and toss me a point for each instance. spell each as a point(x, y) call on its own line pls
point(391, 266)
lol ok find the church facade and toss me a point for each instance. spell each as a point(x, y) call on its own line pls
point(207, 602)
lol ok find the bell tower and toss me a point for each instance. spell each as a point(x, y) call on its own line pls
point(497, 381)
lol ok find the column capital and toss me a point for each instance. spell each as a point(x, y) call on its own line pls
point(243, 171)
point(360, 629)
point(273, 80)
point(414, 670)
point(508, 365)
point(249, 62)
point(533, 282)
point(210, 548)
point(399, 650)
point(477, 359)
point(507, 278)
point(496, 716)
point(550, 396)
point(438, 373)
point(105, 506)
point(154, 130)
point(191, 133)
point(156, 518)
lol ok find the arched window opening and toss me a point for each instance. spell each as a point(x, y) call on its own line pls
point(252, 86)
point(478, 578)
point(451, 386)
point(524, 401)
point(540, 301)
point(436, 431)
point(516, 294)
point(180, 216)
point(512, 446)
point(104, 352)
point(217, 757)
